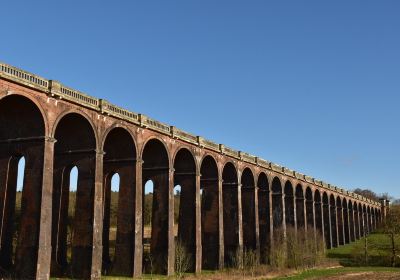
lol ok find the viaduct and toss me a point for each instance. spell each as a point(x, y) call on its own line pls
point(230, 200)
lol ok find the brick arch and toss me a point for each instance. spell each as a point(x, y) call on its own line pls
point(352, 225)
point(67, 112)
point(23, 121)
point(248, 168)
point(300, 206)
point(211, 213)
point(190, 150)
point(264, 215)
point(156, 139)
point(339, 220)
point(248, 192)
point(212, 157)
point(247, 175)
point(36, 103)
point(120, 158)
point(230, 211)
point(319, 218)
point(278, 184)
point(278, 217)
point(160, 139)
point(346, 226)
point(309, 207)
point(76, 145)
point(356, 210)
point(369, 220)
point(361, 218)
point(334, 225)
point(262, 174)
point(185, 176)
point(122, 126)
point(156, 167)
point(326, 219)
point(188, 156)
point(290, 207)
point(227, 161)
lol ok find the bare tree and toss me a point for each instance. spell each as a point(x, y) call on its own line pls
point(367, 193)
point(392, 228)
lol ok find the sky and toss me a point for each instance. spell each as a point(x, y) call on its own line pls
point(310, 85)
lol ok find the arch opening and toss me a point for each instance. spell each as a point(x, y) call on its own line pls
point(119, 194)
point(290, 215)
point(369, 224)
point(156, 169)
point(319, 223)
point(327, 220)
point(209, 184)
point(248, 210)
point(111, 199)
point(351, 222)
point(361, 218)
point(185, 204)
point(277, 210)
point(356, 221)
point(147, 223)
point(22, 142)
point(300, 209)
point(334, 225)
point(75, 147)
point(365, 221)
point(370, 219)
point(264, 217)
point(18, 203)
point(346, 228)
point(230, 213)
point(309, 209)
point(340, 221)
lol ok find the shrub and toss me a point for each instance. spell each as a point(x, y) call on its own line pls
point(278, 256)
point(236, 259)
point(250, 260)
point(297, 249)
point(183, 260)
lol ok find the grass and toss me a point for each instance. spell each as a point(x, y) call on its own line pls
point(313, 273)
point(378, 251)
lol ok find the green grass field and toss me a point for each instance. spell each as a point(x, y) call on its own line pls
point(379, 250)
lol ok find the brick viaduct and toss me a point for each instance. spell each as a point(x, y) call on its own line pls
point(230, 200)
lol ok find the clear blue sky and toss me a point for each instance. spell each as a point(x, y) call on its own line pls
point(311, 85)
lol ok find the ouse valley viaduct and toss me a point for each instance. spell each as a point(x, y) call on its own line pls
point(230, 201)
